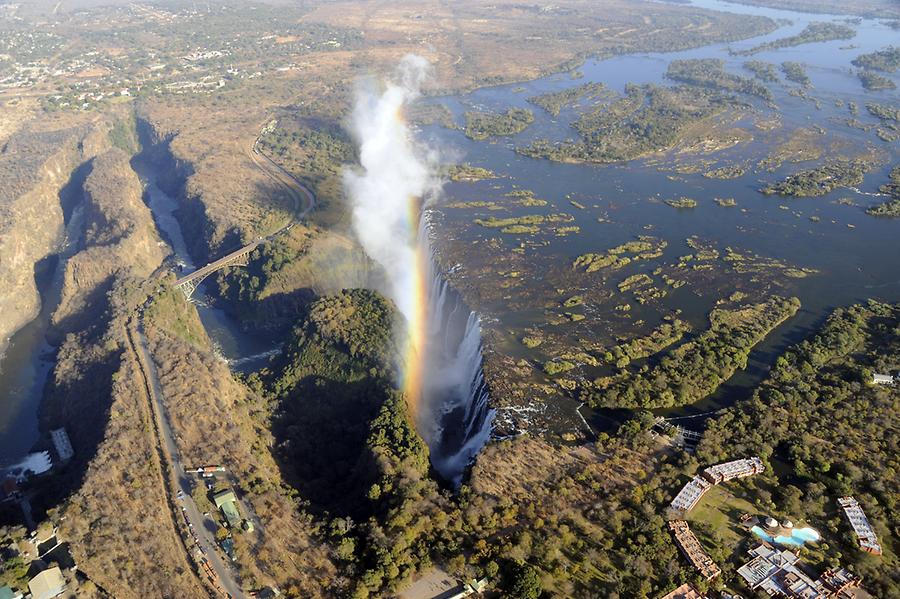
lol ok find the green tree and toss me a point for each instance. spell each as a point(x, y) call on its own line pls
point(526, 583)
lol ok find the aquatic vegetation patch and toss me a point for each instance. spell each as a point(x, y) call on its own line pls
point(822, 179)
point(661, 114)
point(644, 248)
point(725, 172)
point(762, 70)
point(874, 82)
point(682, 203)
point(710, 72)
point(887, 60)
point(469, 173)
point(796, 72)
point(635, 281)
point(668, 333)
point(471, 204)
point(814, 32)
point(482, 125)
point(554, 102)
point(525, 197)
point(697, 367)
point(531, 219)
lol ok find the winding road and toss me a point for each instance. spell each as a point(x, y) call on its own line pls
point(297, 191)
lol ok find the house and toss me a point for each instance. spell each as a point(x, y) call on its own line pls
point(8, 593)
point(62, 444)
point(685, 591)
point(226, 501)
point(48, 584)
point(865, 534)
point(692, 550)
point(882, 379)
point(690, 494)
point(721, 473)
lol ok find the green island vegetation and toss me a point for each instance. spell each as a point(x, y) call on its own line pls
point(726, 202)
point(873, 81)
point(529, 224)
point(556, 101)
point(725, 172)
point(884, 112)
point(821, 179)
point(710, 72)
point(525, 197)
point(891, 207)
point(483, 125)
point(744, 263)
point(697, 367)
point(887, 60)
point(665, 335)
point(634, 282)
point(472, 204)
point(644, 248)
point(834, 433)
point(762, 70)
point(681, 203)
point(796, 72)
point(467, 172)
point(647, 119)
point(814, 32)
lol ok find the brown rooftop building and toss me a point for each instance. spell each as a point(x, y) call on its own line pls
point(685, 591)
point(692, 550)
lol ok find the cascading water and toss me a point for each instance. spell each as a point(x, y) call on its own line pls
point(454, 416)
point(441, 362)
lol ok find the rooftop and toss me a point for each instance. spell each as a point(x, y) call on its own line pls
point(868, 540)
point(49, 583)
point(685, 591)
point(690, 494)
point(734, 469)
point(777, 573)
point(692, 549)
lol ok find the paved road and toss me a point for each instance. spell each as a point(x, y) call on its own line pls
point(202, 527)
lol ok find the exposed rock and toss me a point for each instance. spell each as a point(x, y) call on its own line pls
point(35, 168)
point(119, 237)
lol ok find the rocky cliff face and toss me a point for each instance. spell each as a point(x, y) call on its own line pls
point(34, 168)
point(225, 199)
point(119, 238)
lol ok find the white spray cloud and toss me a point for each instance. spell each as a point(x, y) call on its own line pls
point(394, 170)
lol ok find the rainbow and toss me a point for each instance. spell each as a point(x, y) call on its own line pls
point(416, 328)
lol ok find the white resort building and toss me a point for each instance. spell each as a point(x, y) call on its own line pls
point(868, 540)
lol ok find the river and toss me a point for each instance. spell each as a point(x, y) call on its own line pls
point(856, 255)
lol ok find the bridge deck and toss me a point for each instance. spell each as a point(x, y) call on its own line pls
point(214, 266)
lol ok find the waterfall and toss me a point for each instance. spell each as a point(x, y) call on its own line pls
point(455, 418)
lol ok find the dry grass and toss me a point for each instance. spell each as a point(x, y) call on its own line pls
point(118, 523)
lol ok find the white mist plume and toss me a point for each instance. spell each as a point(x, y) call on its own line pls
point(393, 173)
